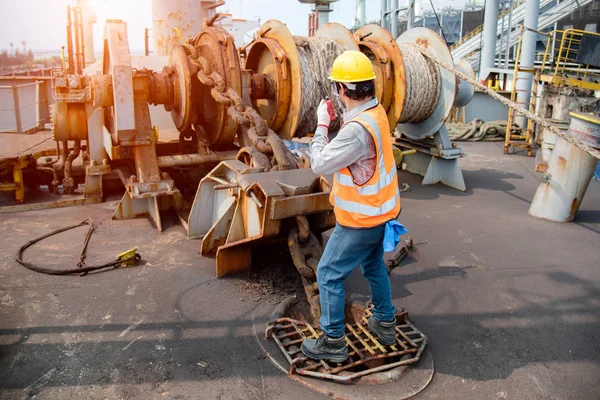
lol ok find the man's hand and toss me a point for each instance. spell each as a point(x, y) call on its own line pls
point(325, 113)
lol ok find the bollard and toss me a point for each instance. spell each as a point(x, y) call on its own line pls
point(570, 170)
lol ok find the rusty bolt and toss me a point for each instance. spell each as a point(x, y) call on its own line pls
point(165, 175)
point(132, 179)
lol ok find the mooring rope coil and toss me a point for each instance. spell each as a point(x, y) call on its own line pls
point(423, 85)
point(479, 131)
point(565, 136)
point(316, 58)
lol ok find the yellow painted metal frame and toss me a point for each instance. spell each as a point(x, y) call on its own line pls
point(19, 164)
point(524, 141)
point(564, 70)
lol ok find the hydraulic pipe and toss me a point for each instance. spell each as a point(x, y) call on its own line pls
point(195, 159)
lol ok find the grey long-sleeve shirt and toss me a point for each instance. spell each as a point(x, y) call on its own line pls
point(352, 147)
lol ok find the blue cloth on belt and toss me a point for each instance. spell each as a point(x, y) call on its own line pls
point(391, 237)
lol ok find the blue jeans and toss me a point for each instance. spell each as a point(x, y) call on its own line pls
point(347, 248)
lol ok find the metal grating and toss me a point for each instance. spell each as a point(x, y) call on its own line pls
point(366, 354)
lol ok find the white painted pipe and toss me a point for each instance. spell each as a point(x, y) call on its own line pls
point(361, 13)
point(569, 173)
point(527, 59)
point(490, 29)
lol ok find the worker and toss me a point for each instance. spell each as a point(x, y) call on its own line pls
point(365, 198)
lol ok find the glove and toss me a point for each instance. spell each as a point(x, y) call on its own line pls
point(325, 113)
point(391, 237)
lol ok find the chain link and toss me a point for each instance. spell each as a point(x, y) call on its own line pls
point(262, 138)
point(306, 251)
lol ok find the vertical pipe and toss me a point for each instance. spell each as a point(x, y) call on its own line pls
point(361, 13)
point(502, 26)
point(15, 90)
point(146, 42)
point(88, 18)
point(323, 17)
point(81, 39)
point(75, 32)
point(410, 23)
point(70, 42)
point(508, 32)
point(527, 57)
point(394, 19)
point(490, 34)
point(383, 13)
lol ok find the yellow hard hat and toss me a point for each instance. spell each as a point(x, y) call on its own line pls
point(352, 66)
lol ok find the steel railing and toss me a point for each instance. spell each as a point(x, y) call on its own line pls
point(560, 65)
point(17, 122)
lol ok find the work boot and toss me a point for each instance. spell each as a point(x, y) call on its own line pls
point(326, 348)
point(385, 330)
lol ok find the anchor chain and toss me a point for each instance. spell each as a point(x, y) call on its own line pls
point(263, 139)
point(306, 251)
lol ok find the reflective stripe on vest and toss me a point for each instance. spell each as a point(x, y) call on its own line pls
point(370, 211)
point(384, 178)
point(378, 200)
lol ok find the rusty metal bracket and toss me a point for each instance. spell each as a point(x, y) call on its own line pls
point(399, 255)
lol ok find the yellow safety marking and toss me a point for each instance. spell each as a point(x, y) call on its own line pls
point(369, 349)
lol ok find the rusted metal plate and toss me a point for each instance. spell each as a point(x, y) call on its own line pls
point(300, 205)
point(382, 65)
point(233, 260)
point(267, 58)
point(116, 61)
point(49, 205)
point(183, 111)
point(217, 46)
point(294, 181)
point(277, 31)
point(464, 90)
point(366, 354)
point(381, 37)
point(14, 146)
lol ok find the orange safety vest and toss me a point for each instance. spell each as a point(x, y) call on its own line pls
point(378, 200)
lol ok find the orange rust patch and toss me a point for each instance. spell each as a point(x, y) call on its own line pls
point(574, 207)
point(423, 43)
point(562, 162)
